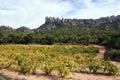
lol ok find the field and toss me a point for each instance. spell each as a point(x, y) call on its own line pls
point(60, 61)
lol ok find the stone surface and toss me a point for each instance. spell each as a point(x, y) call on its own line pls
point(107, 23)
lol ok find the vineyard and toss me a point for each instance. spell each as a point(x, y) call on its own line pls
point(63, 59)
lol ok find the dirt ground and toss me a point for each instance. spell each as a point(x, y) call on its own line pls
point(73, 76)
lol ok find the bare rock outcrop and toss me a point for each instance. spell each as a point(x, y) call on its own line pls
point(112, 22)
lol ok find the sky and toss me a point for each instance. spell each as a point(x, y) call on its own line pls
point(32, 13)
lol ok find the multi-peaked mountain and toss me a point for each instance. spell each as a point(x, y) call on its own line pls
point(103, 23)
point(6, 28)
point(20, 29)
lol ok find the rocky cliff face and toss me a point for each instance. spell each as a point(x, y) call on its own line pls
point(112, 22)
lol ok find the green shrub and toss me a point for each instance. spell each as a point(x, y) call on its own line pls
point(5, 63)
point(48, 66)
point(95, 65)
point(113, 54)
point(63, 70)
point(110, 68)
point(26, 65)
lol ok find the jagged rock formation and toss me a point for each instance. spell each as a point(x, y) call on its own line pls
point(23, 29)
point(6, 28)
point(104, 23)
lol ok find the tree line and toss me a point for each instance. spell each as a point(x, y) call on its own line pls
point(72, 36)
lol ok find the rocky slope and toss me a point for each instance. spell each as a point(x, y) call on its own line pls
point(104, 23)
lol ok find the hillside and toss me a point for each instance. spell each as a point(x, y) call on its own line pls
point(10, 29)
point(6, 28)
point(23, 29)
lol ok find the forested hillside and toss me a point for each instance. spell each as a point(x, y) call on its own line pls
point(71, 35)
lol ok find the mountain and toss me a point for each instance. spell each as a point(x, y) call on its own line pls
point(103, 23)
point(6, 28)
point(20, 29)
point(23, 29)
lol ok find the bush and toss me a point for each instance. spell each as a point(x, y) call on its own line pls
point(26, 65)
point(95, 65)
point(82, 61)
point(64, 65)
point(5, 63)
point(110, 68)
point(48, 66)
point(63, 70)
point(113, 54)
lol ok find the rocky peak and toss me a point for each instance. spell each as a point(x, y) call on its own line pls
point(52, 22)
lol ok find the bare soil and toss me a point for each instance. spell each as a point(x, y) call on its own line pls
point(102, 50)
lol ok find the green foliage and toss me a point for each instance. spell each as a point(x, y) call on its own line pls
point(113, 54)
point(116, 41)
point(63, 70)
point(70, 63)
point(68, 36)
point(94, 65)
point(48, 66)
point(110, 68)
point(82, 61)
point(27, 64)
point(60, 58)
point(5, 63)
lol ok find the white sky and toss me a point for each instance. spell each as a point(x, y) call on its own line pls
point(32, 13)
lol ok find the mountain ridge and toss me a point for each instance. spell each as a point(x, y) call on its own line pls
point(103, 23)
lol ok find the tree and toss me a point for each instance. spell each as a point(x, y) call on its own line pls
point(29, 38)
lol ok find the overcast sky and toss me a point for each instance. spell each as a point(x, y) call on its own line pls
point(32, 13)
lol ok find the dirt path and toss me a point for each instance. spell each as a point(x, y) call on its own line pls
point(74, 76)
point(102, 50)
